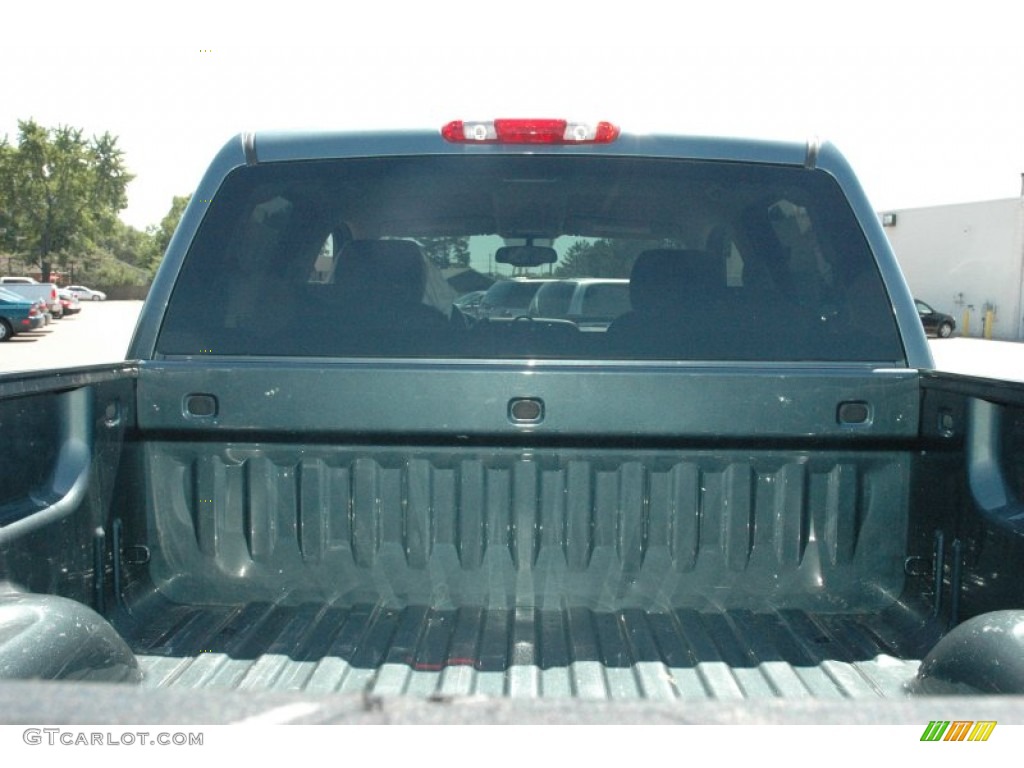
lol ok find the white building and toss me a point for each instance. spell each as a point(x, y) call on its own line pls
point(965, 260)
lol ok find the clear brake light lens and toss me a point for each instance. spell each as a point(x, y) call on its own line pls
point(544, 131)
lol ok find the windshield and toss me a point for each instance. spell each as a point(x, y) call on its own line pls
point(656, 259)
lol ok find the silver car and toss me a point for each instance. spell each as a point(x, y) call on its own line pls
point(87, 294)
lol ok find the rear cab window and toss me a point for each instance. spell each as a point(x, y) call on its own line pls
point(652, 259)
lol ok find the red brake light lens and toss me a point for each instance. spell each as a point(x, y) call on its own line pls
point(533, 131)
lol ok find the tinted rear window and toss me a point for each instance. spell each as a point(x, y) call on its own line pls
point(365, 257)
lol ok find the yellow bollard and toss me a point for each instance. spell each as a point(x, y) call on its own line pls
point(965, 326)
point(990, 317)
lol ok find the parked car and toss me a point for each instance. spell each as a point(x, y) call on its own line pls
point(935, 323)
point(87, 294)
point(30, 290)
point(42, 309)
point(17, 315)
point(69, 301)
point(469, 303)
point(591, 303)
point(509, 298)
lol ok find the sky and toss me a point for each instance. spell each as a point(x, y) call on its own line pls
point(924, 100)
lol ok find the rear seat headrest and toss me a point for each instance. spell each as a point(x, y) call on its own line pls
point(389, 267)
point(666, 277)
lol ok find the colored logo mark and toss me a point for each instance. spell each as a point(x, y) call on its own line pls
point(958, 730)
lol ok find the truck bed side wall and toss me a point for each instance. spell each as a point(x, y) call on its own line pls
point(63, 434)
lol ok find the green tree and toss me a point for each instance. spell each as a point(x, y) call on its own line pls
point(446, 251)
point(9, 237)
point(162, 234)
point(104, 269)
point(598, 258)
point(130, 245)
point(604, 257)
point(61, 192)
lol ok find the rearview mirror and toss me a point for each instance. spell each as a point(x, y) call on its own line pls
point(526, 255)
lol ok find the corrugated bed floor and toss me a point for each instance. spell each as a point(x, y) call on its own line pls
point(520, 652)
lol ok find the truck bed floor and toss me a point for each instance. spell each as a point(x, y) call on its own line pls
point(526, 652)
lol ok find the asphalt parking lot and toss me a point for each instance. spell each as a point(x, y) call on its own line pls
point(101, 332)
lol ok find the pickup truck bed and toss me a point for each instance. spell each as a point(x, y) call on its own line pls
point(531, 653)
point(728, 574)
point(568, 572)
point(316, 477)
